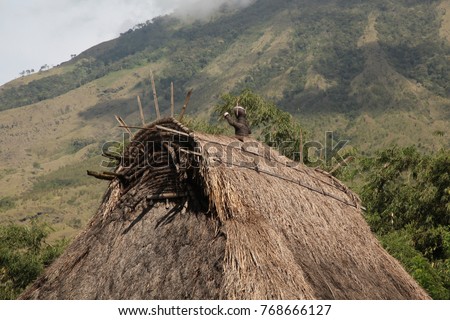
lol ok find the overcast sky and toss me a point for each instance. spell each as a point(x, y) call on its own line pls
point(38, 32)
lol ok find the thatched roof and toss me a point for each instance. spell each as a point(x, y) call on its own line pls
point(211, 217)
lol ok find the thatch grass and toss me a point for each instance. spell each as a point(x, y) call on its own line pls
point(252, 226)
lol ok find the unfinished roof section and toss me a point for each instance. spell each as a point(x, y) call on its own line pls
point(196, 216)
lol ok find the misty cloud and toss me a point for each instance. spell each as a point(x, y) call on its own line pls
point(204, 8)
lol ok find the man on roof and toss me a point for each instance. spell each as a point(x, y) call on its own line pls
point(241, 127)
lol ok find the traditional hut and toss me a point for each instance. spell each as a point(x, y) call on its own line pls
point(197, 216)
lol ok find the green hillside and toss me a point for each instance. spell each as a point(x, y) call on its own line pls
point(375, 73)
point(340, 65)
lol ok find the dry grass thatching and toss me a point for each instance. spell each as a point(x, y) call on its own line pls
point(195, 216)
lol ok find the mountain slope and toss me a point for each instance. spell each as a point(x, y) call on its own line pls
point(374, 72)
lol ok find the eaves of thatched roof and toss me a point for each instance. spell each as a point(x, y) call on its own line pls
point(196, 216)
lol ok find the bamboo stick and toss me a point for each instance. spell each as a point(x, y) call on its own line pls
point(172, 100)
point(172, 130)
point(301, 145)
point(113, 174)
point(100, 176)
point(186, 101)
point(341, 164)
point(155, 97)
point(187, 151)
point(124, 125)
point(162, 196)
point(141, 110)
point(136, 127)
point(172, 155)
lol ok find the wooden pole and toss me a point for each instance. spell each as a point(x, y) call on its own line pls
point(172, 130)
point(155, 97)
point(136, 127)
point(158, 127)
point(141, 110)
point(172, 100)
point(301, 145)
point(100, 176)
point(173, 155)
point(163, 196)
point(342, 164)
point(124, 125)
point(186, 101)
point(113, 174)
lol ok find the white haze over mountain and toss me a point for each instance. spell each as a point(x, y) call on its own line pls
point(202, 8)
point(39, 32)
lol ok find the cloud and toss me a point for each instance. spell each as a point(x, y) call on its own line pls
point(203, 8)
point(38, 32)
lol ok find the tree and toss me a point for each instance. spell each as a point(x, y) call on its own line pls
point(44, 67)
point(23, 256)
point(407, 195)
point(405, 187)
